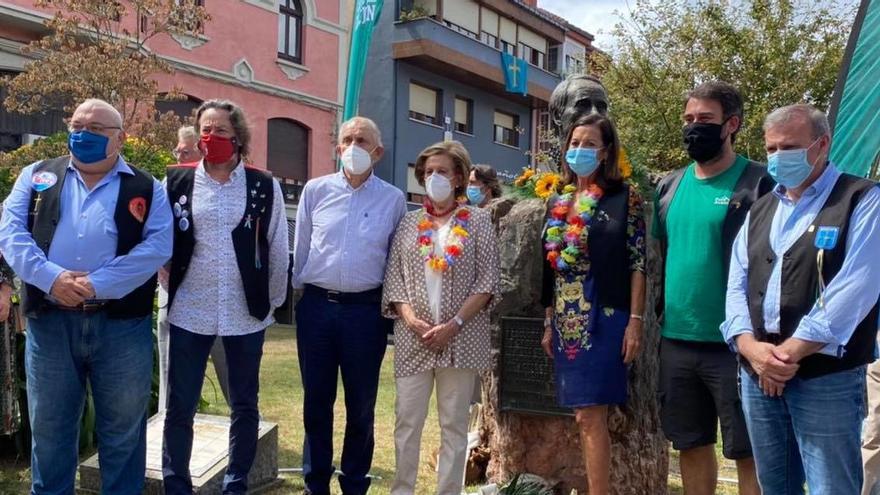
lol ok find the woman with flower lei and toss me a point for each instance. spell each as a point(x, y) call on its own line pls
point(594, 285)
point(441, 280)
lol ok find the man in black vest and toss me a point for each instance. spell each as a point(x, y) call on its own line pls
point(698, 211)
point(86, 234)
point(228, 273)
point(802, 307)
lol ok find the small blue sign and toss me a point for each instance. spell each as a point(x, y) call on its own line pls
point(826, 238)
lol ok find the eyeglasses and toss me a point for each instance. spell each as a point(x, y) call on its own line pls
point(93, 128)
point(185, 152)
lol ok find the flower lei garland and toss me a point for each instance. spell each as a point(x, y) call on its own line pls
point(454, 242)
point(562, 240)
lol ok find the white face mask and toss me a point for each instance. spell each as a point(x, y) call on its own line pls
point(356, 160)
point(439, 187)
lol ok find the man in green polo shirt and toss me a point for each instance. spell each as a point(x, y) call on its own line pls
point(698, 211)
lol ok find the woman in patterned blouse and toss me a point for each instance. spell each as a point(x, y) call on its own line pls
point(594, 286)
point(442, 278)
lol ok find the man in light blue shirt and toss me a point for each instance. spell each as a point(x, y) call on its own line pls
point(344, 226)
point(86, 234)
point(802, 309)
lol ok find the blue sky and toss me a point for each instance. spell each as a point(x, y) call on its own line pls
point(595, 16)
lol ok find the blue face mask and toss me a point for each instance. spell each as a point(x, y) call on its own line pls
point(475, 195)
point(582, 161)
point(87, 147)
point(790, 168)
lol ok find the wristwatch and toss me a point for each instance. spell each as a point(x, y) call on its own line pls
point(458, 321)
point(548, 322)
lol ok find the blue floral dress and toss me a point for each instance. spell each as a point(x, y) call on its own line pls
point(588, 338)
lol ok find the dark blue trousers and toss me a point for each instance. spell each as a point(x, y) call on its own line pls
point(187, 359)
point(334, 338)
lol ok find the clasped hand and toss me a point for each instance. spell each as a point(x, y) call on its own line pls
point(435, 337)
point(72, 288)
point(774, 364)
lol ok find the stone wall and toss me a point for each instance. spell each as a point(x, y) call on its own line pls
point(550, 446)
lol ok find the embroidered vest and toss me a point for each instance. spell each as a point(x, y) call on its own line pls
point(45, 212)
point(249, 238)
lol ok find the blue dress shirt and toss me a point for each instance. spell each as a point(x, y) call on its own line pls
point(343, 234)
point(848, 297)
point(85, 237)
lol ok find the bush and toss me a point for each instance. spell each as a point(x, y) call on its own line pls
point(149, 157)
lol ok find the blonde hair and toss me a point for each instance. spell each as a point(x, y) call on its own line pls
point(459, 155)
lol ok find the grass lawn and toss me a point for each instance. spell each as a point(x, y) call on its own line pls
point(281, 402)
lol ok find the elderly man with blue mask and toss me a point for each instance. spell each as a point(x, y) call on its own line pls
point(86, 233)
point(802, 308)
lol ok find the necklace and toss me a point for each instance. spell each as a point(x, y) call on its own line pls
point(454, 242)
point(563, 238)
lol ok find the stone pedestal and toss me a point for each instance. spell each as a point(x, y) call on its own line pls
point(210, 456)
point(550, 446)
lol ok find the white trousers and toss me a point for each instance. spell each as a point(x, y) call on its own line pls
point(455, 387)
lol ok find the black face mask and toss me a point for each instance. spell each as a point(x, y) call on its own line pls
point(703, 141)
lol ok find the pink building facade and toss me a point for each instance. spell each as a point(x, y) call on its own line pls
point(283, 61)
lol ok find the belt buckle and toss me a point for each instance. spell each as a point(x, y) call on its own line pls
point(332, 296)
point(89, 307)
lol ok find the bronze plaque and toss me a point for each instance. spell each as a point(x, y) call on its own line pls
point(526, 384)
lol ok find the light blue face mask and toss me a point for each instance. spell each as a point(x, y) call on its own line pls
point(582, 161)
point(790, 168)
point(475, 195)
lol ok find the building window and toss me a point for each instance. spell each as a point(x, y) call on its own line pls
point(531, 55)
point(414, 192)
point(573, 65)
point(180, 20)
point(553, 59)
point(464, 115)
point(505, 129)
point(290, 18)
point(489, 39)
point(424, 104)
point(508, 47)
point(287, 156)
point(185, 107)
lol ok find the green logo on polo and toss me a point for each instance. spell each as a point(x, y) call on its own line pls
point(722, 200)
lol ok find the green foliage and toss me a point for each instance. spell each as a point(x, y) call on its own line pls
point(148, 157)
point(526, 485)
point(777, 52)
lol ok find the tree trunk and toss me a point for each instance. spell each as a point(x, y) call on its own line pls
point(549, 446)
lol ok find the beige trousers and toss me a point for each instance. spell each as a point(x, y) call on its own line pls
point(455, 387)
point(871, 433)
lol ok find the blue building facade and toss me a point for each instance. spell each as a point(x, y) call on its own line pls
point(430, 79)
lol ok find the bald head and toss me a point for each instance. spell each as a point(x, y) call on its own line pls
point(362, 126)
point(108, 114)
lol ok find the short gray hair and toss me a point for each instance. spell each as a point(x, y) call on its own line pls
point(368, 123)
point(236, 118)
point(817, 118)
point(187, 133)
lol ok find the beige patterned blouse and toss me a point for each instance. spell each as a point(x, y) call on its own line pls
point(474, 272)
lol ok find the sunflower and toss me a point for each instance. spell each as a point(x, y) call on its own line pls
point(527, 174)
point(547, 185)
point(624, 164)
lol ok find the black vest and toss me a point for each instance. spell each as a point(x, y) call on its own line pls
point(250, 238)
point(45, 212)
point(608, 251)
point(800, 280)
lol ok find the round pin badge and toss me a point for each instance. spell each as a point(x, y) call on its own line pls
point(182, 200)
point(183, 224)
point(177, 210)
point(184, 213)
point(43, 180)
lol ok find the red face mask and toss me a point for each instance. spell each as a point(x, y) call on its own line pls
point(217, 149)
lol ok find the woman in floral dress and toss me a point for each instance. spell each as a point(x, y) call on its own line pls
point(594, 286)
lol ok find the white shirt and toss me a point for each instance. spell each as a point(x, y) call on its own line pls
point(433, 278)
point(343, 234)
point(211, 298)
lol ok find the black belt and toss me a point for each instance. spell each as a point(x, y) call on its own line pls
point(86, 307)
point(372, 296)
